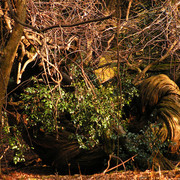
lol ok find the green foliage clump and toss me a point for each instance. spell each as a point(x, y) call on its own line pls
point(41, 106)
point(92, 114)
point(15, 142)
point(145, 145)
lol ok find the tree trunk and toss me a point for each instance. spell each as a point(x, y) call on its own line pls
point(9, 51)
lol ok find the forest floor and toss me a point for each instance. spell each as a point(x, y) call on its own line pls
point(33, 169)
point(32, 173)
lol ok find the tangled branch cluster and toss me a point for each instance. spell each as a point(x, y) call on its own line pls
point(148, 34)
point(81, 45)
point(151, 36)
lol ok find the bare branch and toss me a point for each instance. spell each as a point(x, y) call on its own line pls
point(20, 71)
point(155, 62)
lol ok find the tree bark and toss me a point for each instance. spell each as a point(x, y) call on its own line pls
point(9, 51)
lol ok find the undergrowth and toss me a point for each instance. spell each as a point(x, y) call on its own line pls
point(94, 117)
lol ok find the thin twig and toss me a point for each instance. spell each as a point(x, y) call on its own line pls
point(4, 152)
point(128, 10)
point(110, 156)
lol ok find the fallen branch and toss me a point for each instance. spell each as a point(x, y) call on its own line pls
point(120, 164)
point(110, 156)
